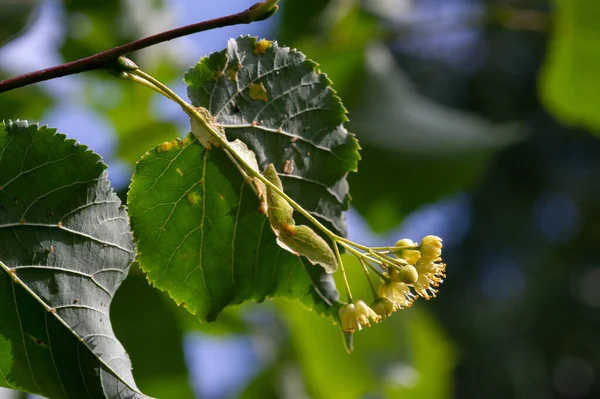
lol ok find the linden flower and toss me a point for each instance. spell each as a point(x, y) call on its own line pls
point(356, 316)
point(398, 293)
point(435, 270)
point(364, 313)
point(425, 286)
point(348, 316)
point(431, 275)
point(411, 256)
point(430, 248)
point(383, 307)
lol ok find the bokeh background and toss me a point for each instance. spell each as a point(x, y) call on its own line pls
point(479, 122)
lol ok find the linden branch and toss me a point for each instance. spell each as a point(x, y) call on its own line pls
point(108, 58)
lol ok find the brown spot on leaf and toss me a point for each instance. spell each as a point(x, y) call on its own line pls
point(59, 224)
point(294, 139)
point(288, 167)
point(262, 207)
point(37, 341)
point(222, 196)
point(22, 221)
point(75, 301)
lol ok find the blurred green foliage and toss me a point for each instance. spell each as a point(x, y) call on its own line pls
point(518, 316)
point(15, 16)
point(570, 83)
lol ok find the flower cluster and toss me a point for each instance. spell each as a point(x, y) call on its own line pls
point(406, 271)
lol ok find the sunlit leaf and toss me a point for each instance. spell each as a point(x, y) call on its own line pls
point(65, 247)
point(201, 238)
point(276, 102)
point(196, 219)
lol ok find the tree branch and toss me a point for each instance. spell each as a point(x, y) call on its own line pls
point(108, 58)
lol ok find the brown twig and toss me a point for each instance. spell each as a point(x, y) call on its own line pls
point(108, 58)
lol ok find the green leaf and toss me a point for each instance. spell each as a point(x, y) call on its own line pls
point(65, 247)
point(275, 101)
point(201, 238)
point(570, 82)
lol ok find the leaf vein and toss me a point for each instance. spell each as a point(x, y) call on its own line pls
point(281, 95)
point(257, 252)
point(235, 225)
point(292, 136)
point(22, 173)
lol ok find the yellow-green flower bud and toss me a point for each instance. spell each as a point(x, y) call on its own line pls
point(430, 248)
point(432, 240)
point(405, 243)
point(406, 274)
point(411, 256)
point(348, 317)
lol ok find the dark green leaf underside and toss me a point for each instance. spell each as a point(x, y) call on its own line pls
point(201, 238)
point(274, 100)
point(65, 246)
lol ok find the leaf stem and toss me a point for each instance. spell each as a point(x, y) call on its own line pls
point(143, 82)
point(108, 59)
